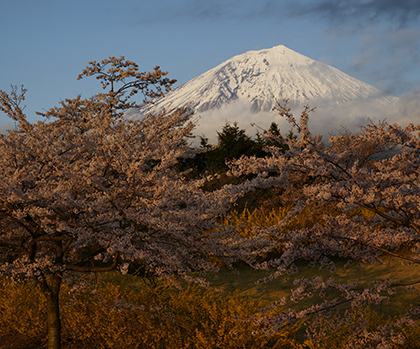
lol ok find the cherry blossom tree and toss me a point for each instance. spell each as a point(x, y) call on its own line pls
point(364, 188)
point(86, 190)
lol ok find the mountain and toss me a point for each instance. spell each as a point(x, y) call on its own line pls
point(255, 80)
point(261, 77)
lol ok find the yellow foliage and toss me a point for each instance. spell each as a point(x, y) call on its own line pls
point(22, 310)
point(246, 221)
point(337, 336)
point(132, 314)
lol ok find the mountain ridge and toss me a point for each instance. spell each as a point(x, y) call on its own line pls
point(245, 88)
point(261, 77)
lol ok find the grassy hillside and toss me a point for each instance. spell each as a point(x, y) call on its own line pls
point(159, 316)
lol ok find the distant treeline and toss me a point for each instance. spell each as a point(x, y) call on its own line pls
point(232, 143)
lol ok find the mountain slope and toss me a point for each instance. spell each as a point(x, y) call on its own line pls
point(246, 87)
point(260, 77)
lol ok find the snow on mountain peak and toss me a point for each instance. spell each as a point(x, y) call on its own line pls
point(262, 77)
point(249, 84)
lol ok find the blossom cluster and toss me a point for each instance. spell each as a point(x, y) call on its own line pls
point(365, 189)
point(89, 190)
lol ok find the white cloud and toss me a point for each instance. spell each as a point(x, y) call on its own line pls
point(212, 121)
point(407, 110)
point(388, 59)
point(326, 120)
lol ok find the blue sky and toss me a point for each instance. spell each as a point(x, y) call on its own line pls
point(45, 44)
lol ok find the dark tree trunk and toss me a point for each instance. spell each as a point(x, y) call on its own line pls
point(51, 292)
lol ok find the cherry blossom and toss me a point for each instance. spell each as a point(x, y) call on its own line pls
point(365, 189)
point(86, 190)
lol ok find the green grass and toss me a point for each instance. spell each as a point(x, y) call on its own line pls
point(243, 281)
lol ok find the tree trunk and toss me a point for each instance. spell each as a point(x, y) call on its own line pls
point(51, 293)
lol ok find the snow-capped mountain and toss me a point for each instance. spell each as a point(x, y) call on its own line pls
point(261, 77)
point(248, 85)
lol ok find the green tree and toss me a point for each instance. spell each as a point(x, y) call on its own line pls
point(273, 137)
point(233, 143)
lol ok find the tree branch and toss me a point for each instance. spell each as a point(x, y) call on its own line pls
point(78, 268)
